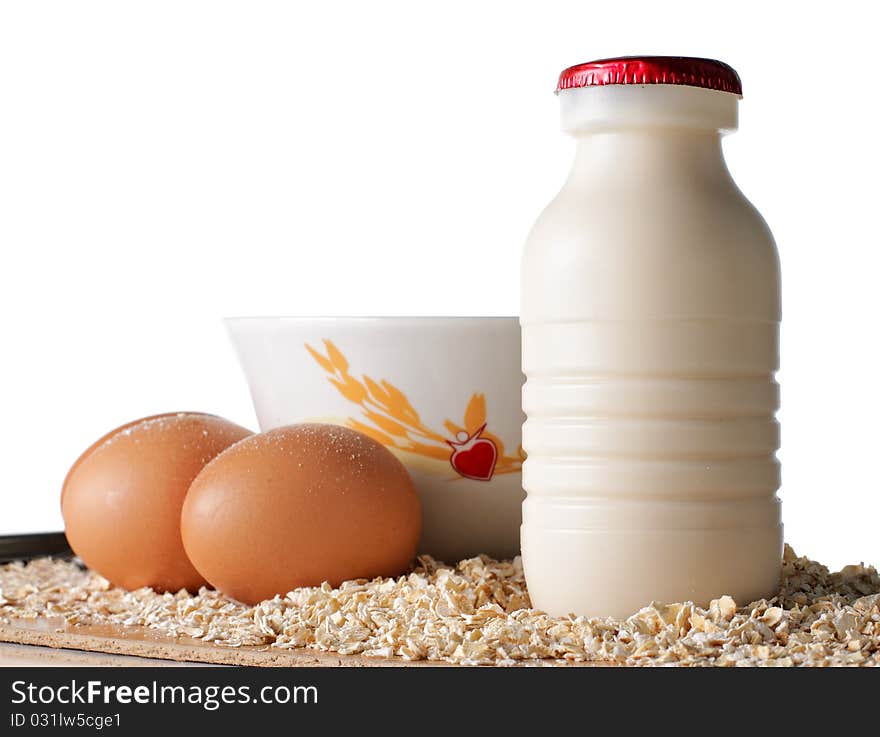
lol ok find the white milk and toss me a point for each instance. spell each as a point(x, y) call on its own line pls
point(650, 315)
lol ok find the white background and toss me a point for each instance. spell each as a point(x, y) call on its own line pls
point(163, 164)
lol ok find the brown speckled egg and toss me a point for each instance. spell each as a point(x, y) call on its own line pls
point(121, 500)
point(298, 506)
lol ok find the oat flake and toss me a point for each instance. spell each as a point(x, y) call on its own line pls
point(477, 613)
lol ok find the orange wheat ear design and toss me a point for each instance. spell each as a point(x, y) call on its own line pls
point(395, 422)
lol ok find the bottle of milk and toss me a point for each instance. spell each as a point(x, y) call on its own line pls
point(650, 317)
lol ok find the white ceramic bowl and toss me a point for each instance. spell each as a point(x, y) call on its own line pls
point(443, 394)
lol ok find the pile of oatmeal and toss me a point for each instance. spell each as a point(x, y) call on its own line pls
point(478, 613)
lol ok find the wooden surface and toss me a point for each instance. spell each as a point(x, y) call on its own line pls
point(47, 635)
point(144, 643)
point(37, 656)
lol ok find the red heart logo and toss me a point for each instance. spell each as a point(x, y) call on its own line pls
point(475, 457)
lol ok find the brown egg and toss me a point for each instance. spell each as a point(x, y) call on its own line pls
point(121, 500)
point(298, 506)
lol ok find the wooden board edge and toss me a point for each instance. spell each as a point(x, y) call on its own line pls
point(183, 652)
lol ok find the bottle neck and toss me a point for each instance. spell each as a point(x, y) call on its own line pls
point(644, 136)
point(650, 156)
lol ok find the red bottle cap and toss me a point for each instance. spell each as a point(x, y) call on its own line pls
point(684, 70)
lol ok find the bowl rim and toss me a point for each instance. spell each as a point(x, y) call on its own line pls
point(370, 318)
